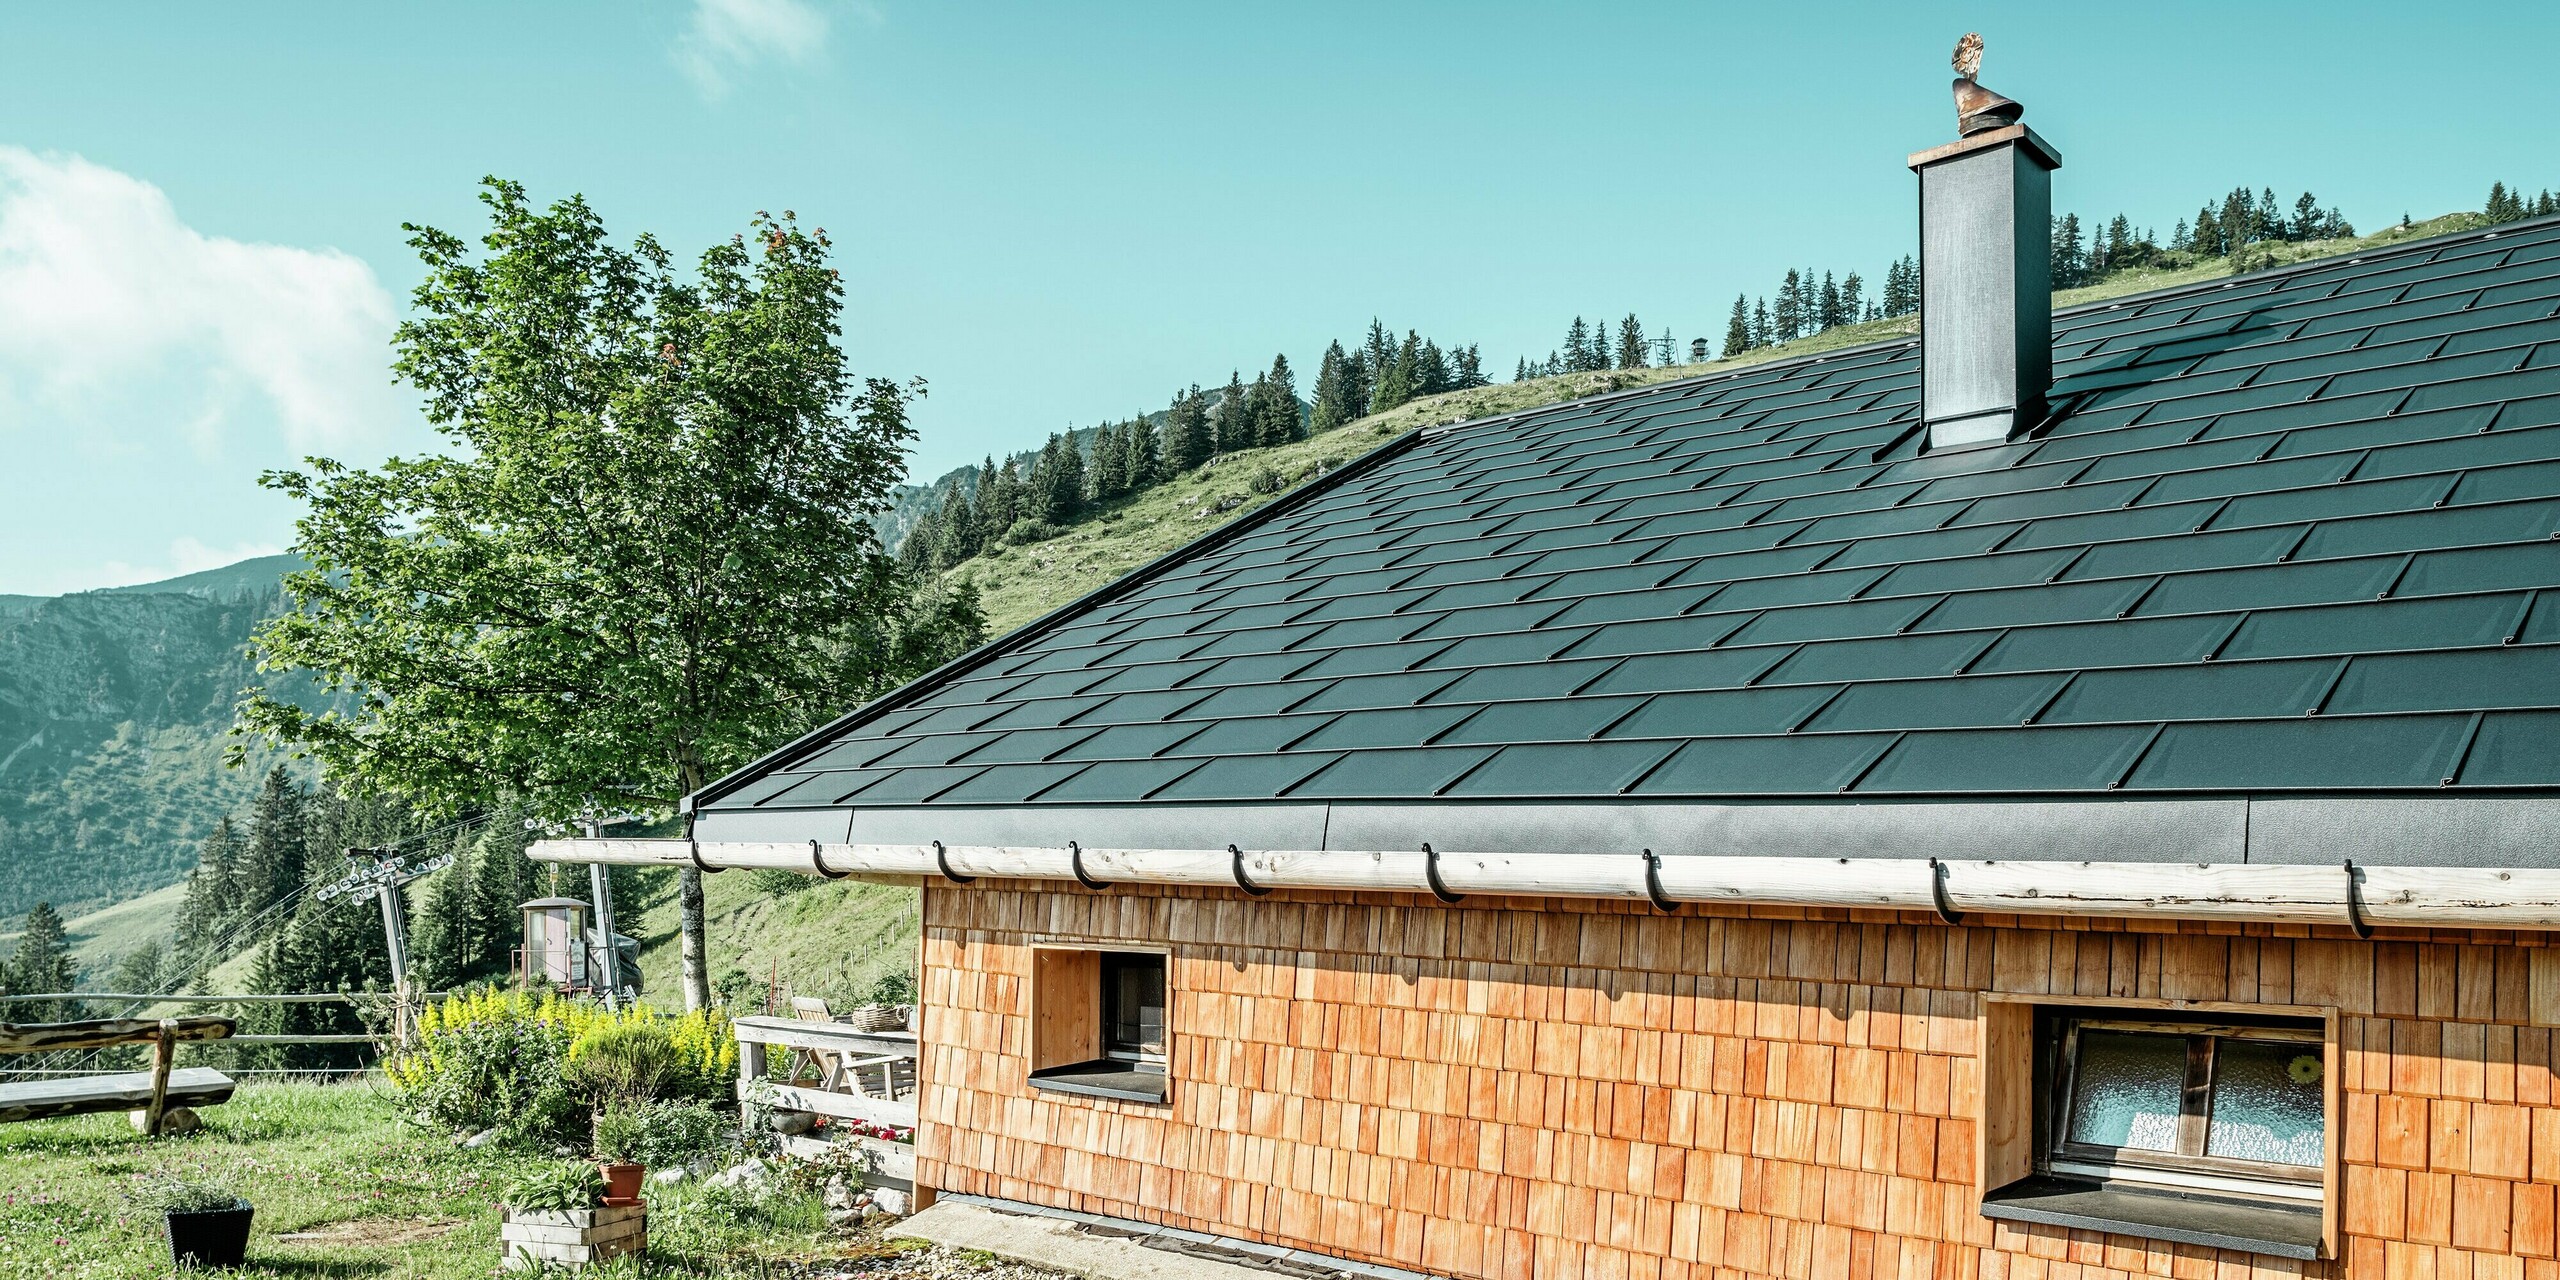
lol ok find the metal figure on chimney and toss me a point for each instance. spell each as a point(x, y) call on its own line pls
point(1977, 108)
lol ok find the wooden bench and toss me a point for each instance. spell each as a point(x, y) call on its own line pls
point(153, 1093)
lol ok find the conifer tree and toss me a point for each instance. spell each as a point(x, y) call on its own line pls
point(1141, 460)
point(1630, 343)
point(1277, 420)
point(1853, 301)
point(1235, 426)
point(1188, 438)
point(1737, 329)
point(42, 963)
point(1520, 371)
point(1333, 406)
point(1377, 351)
point(1466, 368)
point(1395, 378)
point(1431, 374)
point(1786, 316)
point(1577, 343)
point(279, 840)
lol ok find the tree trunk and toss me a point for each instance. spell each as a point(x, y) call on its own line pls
point(695, 972)
point(697, 978)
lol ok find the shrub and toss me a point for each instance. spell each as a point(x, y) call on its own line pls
point(1030, 529)
point(624, 1062)
point(504, 1060)
point(1266, 480)
point(662, 1134)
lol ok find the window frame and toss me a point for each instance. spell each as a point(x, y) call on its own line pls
point(2012, 1127)
point(2189, 1167)
point(1069, 1049)
point(1112, 962)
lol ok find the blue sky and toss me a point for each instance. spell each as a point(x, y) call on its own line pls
point(1057, 214)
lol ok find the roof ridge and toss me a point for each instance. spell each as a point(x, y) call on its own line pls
point(2216, 284)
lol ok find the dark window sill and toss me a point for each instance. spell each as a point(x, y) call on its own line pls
point(1108, 1078)
point(2212, 1222)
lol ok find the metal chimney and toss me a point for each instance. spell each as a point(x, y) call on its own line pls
point(1986, 287)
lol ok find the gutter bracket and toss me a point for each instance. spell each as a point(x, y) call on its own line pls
point(2355, 912)
point(942, 859)
point(1075, 859)
point(1431, 876)
point(1242, 881)
point(1947, 914)
point(693, 850)
point(820, 863)
point(1653, 884)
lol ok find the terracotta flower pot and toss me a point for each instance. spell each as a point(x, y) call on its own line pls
point(622, 1183)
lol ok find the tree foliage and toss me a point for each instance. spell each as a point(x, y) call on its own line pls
point(647, 556)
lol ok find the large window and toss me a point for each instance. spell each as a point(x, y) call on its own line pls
point(1099, 1023)
point(2207, 1127)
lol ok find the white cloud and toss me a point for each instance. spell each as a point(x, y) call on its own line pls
point(728, 37)
point(123, 322)
point(186, 555)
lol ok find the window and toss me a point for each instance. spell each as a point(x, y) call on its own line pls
point(1133, 1007)
point(2237, 1109)
point(1099, 1023)
point(2207, 1128)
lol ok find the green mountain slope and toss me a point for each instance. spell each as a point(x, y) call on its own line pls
point(114, 711)
point(1020, 583)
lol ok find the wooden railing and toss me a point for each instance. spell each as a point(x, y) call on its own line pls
point(846, 1062)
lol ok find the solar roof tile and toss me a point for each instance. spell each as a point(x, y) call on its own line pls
point(2328, 752)
point(1799, 764)
point(2036, 760)
point(1573, 769)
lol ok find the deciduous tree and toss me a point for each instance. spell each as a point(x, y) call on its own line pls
point(648, 555)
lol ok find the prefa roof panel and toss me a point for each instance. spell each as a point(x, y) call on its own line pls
point(2287, 532)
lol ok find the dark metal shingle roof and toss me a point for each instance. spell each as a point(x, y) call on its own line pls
point(2288, 533)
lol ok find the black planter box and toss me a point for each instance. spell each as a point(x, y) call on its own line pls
point(217, 1238)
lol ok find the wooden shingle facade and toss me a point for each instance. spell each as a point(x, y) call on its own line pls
point(1563, 1089)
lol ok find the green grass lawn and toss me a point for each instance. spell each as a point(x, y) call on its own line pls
point(343, 1187)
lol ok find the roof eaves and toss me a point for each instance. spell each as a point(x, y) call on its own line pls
point(904, 694)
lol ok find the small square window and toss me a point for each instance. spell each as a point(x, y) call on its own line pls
point(2202, 1128)
point(1099, 1023)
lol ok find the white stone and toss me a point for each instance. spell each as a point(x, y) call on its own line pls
point(481, 1139)
point(891, 1201)
point(669, 1177)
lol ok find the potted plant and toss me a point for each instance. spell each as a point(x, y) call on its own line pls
point(557, 1215)
point(208, 1225)
point(622, 1136)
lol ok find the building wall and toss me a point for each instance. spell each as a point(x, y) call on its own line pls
point(1574, 1090)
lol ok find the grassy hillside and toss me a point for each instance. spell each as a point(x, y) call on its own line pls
point(1022, 582)
point(829, 938)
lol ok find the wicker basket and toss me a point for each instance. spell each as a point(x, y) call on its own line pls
point(880, 1017)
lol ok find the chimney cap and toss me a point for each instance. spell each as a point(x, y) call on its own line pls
point(2028, 140)
point(1979, 110)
